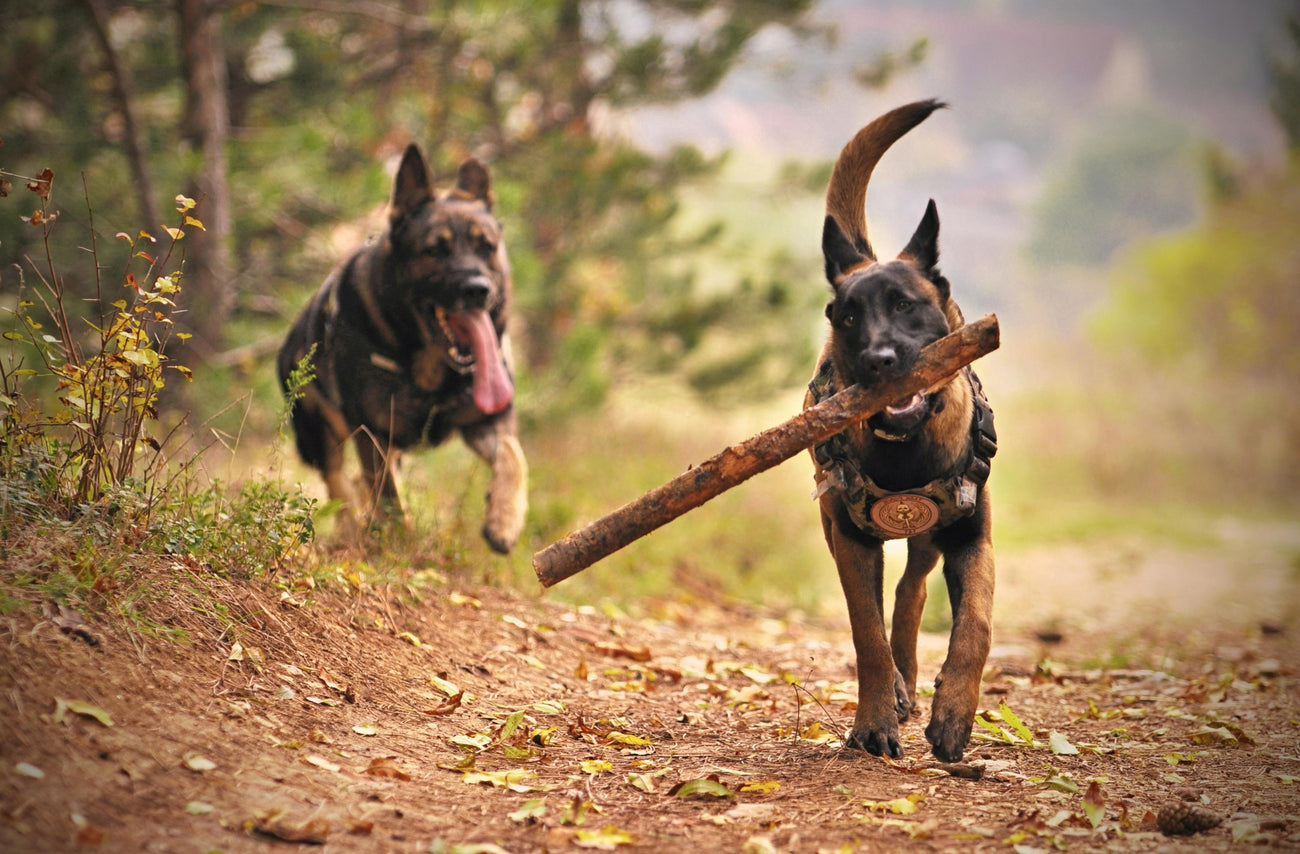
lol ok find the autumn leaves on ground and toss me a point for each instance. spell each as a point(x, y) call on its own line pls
point(372, 712)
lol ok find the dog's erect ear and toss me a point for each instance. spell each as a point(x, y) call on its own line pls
point(411, 187)
point(838, 250)
point(923, 248)
point(473, 181)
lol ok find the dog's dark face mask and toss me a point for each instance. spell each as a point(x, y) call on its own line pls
point(453, 265)
point(882, 315)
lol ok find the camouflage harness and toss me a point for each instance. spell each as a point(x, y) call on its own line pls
point(893, 515)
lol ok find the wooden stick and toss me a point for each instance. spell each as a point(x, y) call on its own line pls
point(736, 464)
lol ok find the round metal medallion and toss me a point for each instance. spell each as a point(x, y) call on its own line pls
point(904, 515)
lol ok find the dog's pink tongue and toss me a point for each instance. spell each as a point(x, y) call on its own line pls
point(493, 390)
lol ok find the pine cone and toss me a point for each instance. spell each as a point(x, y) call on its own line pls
point(1183, 818)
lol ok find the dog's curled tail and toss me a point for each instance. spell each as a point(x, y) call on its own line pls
point(846, 197)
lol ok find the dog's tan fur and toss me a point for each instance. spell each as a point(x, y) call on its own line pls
point(887, 666)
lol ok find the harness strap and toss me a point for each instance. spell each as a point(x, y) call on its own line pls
point(904, 513)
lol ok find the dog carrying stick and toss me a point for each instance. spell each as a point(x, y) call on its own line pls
point(738, 463)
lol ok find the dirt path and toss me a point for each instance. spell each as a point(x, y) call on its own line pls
point(462, 719)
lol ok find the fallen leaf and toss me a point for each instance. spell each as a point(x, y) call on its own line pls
point(700, 788)
point(366, 729)
point(1060, 745)
point(461, 599)
point(386, 766)
point(474, 741)
point(1215, 735)
point(200, 764)
point(447, 706)
point(79, 707)
point(448, 688)
point(321, 762)
point(898, 806)
point(595, 766)
point(28, 770)
point(624, 738)
point(764, 788)
point(607, 838)
point(1094, 804)
point(530, 810)
point(514, 779)
point(313, 832)
point(618, 650)
point(409, 638)
point(198, 808)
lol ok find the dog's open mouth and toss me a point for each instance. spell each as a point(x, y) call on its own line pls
point(897, 420)
point(493, 390)
point(905, 407)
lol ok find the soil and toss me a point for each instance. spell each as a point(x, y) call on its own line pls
point(454, 717)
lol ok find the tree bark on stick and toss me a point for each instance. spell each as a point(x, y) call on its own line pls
point(736, 464)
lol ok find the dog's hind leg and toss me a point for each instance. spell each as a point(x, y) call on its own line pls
point(507, 498)
point(322, 434)
point(379, 478)
point(909, 604)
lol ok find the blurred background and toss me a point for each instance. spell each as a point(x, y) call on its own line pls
point(1117, 181)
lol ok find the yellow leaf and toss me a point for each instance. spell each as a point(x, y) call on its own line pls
point(595, 766)
point(607, 838)
point(80, 707)
point(898, 806)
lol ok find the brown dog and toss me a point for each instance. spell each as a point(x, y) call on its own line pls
point(407, 342)
point(916, 470)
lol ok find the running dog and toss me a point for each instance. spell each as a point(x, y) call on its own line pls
point(406, 342)
point(915, 470)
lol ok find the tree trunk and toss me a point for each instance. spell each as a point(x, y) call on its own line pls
point(122, 93)
point(208, 289)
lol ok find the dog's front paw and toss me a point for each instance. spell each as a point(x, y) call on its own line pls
point(904, 702)
point(948, 733)
point(507, 502)
point(881, 740)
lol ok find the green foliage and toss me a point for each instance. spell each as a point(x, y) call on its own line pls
point(1215, 310)
point(89, 479)
point(1129, 179)
point(318, 99)
point(92, 443)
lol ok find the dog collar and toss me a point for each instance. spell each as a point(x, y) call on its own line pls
point(890, 514)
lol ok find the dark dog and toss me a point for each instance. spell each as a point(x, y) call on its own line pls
point(407, 340)
point(916, 470)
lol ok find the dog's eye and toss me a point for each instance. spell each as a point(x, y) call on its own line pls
point(849, 318)
point(441, 247)
point(484, 247)
point(902, 305)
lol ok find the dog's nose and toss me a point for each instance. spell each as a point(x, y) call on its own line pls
point(880, 360)
point(474, 292)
